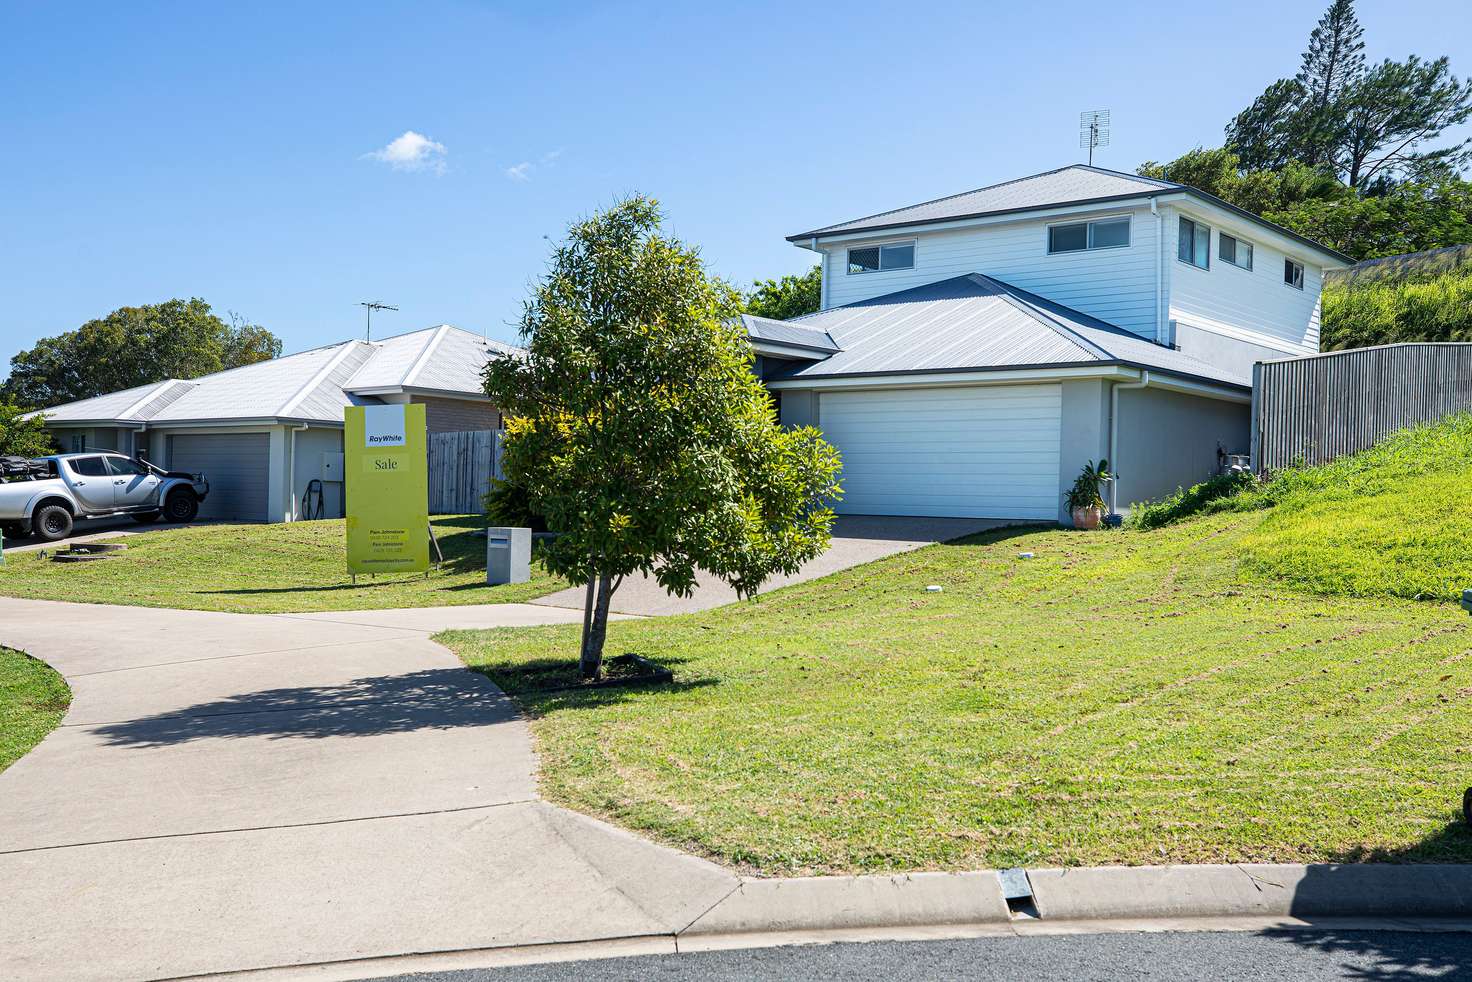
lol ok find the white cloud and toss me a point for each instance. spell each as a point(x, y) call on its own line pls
point(524, 170)
point(412, 152)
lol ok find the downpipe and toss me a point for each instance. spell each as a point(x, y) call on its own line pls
point(291, 469)
point(1143, 382)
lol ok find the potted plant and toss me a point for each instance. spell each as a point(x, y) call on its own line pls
point(1086, 499)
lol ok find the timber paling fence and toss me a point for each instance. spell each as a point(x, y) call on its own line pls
point(461, 466)
point(1314, 409)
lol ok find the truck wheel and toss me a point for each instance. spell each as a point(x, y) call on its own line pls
point(147, 517)
point(181, 506)
point(52, 523)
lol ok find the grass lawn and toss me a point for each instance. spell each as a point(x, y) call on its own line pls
point(33, 698)
point(281, 568)
point(1125, 697)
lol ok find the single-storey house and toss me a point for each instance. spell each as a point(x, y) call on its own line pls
point(263, 432)
point(972, 353)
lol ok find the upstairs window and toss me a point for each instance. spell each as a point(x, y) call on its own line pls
point(1235, 251)
point(874, 259)
point(1108, 233)
point(1194, 245)
point(1293, 274)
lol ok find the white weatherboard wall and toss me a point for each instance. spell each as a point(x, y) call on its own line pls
point(962, 451)
point(1253, 306)
point(1116, 285)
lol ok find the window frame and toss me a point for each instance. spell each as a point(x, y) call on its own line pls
point(1237, 243)
point(879, 247)
point(1088, 224)
point(1302, 274)
point(72, 462)
point(1195, 224)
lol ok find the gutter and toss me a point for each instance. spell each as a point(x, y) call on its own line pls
point(1144, 382)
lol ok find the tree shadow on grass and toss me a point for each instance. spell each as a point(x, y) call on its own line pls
point(433, 699)
point(544, 685)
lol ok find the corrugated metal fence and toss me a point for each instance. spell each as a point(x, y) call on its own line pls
point(461, 466)
point(1320, 407)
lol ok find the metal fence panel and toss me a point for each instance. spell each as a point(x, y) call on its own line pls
point(1311, 410)
point(461, 466)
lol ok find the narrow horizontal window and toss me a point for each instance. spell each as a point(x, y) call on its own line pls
point(1194, 244)
point(872, 259)
point(1293, 274)
point(1235, 251)
point(1109, 233)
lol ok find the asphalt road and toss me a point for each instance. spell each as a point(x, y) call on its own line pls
point(1376, 956)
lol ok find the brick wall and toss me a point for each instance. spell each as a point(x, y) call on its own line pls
point(453, 415)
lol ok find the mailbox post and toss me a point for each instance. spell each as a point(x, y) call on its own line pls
point(508, 555)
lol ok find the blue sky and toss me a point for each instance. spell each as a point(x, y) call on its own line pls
point(244, 153)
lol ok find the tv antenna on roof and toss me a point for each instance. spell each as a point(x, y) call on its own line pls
point(373, 305)
point(1093, 130)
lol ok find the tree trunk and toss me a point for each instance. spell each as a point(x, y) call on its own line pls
point(592, 662)
point(588, 598)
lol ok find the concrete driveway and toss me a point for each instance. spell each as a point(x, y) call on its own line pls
point(233, 791)
point(857, 539)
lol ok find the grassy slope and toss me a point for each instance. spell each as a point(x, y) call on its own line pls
point(266, 569)
point(1419, 306)
point(33, 698)
point(1174, 695)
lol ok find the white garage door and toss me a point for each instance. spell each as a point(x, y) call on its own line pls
point(976, 452)
point(236, 465)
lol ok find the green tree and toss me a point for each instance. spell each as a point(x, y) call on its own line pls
point(1385, 220)
point(638, 430)
point(135, 346)
point(1362, 124)
point(22, 437)
point(791, 296)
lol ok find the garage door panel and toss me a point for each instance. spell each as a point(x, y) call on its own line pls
point(236, 465)
point(978, 452)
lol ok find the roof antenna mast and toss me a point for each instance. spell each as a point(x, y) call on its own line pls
point(1093, 130)
point(371, 306)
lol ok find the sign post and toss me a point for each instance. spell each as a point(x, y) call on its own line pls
point(386, 481)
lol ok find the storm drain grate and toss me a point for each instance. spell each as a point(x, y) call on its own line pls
point(1017, 892)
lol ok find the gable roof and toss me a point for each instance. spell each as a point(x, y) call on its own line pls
point(309, 386)
point(1076, 184)
point(975, 322)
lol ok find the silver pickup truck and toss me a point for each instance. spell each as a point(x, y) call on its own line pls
point(48, 494)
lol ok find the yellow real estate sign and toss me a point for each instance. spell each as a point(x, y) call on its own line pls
point(386, 482)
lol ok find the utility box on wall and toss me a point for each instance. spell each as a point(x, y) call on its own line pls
point(508, 555)
point(332, 467)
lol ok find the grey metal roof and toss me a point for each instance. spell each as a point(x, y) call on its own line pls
point(444, 358)
point(787, 332)
point(311, 385)
point(1076, 184)
point(977, 322)
point(1066, 185)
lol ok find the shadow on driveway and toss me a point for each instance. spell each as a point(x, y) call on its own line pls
point(432, 699)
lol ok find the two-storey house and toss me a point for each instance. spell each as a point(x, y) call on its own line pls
point(973, 352)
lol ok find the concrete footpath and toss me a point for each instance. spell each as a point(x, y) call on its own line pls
point(334, 796)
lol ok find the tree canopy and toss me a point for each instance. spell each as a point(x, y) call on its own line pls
point(638, 430)
point(135, 346)
point(21, 437)
point(1366, 125)
point(791, 296)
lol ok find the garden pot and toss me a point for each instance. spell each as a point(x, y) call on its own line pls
point(1088, 518)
